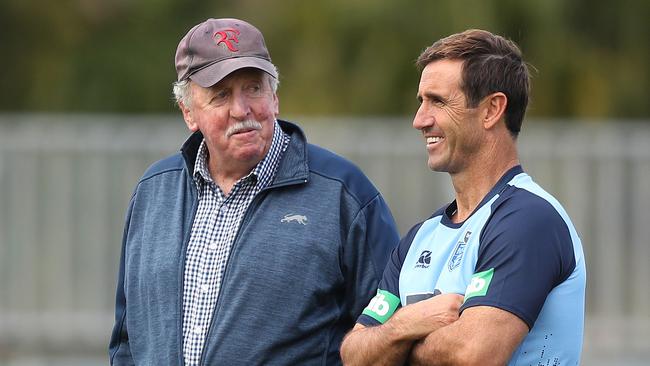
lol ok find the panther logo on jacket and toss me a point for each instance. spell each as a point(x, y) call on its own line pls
point(301, 219)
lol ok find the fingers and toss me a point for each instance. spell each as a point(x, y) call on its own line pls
point(449, 302)
point(422, 318)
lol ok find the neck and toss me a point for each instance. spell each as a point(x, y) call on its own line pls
point(477, 179)
point(226, 175)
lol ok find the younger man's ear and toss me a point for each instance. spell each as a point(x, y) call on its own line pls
point(494, 109)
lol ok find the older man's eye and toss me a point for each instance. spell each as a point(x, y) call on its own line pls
point(220, 96)
point(254, 89)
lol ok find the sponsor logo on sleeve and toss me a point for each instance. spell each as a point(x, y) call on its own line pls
point(479, 284)
point(382, 306)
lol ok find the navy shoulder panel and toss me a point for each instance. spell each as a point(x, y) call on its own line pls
point(330, 165)
point(524, 215)
point(405, 244)
point(439, 212)
point(400, 253)
point(528, 246)
point(171, 163)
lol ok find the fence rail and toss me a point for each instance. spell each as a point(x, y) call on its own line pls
point(65, 182)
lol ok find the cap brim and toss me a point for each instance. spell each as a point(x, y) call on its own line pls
point(212, 74)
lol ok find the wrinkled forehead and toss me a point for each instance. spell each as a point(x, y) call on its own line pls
point(441, 77)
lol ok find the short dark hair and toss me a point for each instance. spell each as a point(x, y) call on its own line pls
point(491, 64)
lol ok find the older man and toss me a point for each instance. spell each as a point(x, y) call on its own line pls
point(250, 246)
point(504, 243)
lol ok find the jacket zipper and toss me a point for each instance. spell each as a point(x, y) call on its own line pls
point(251, 208)
point(181, 281)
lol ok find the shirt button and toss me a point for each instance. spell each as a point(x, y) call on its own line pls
point(197, 330)
point(205, 287)
point(223, 209)
point(213, 246)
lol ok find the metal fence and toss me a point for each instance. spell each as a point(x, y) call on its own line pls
point(65, 182)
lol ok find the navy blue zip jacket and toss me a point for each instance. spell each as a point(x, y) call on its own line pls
point(291, 289)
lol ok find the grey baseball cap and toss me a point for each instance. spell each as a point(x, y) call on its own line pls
point(217, 47)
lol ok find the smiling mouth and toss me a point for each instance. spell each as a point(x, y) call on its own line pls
point(434, 139)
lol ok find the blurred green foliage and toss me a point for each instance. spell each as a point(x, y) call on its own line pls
point(352, 57)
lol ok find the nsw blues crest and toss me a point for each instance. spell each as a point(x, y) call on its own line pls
point(459, 250)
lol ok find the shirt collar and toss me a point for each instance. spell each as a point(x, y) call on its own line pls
point(266, 169)
point(201, 164)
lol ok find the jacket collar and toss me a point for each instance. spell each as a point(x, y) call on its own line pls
point(293, 167)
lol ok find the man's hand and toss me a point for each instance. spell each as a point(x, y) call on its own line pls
point(418, 320)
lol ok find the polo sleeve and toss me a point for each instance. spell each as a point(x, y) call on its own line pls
point(525, 251)
point(387, 300)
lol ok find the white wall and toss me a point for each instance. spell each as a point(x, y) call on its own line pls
point(65, 182)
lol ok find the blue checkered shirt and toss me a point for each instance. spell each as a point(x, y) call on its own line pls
point(215, 227)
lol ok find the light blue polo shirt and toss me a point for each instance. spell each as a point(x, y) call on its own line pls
point(518, 251)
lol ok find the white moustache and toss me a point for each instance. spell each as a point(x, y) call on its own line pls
point(249, 124)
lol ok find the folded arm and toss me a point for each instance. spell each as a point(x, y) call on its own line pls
point(391, 342)
point(483, 335)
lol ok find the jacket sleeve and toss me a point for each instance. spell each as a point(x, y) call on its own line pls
point(370, 241)
point(119, 349)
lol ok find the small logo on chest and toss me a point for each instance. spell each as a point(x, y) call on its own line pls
point(459, 250)
point(300, 219)
point(425, 259)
